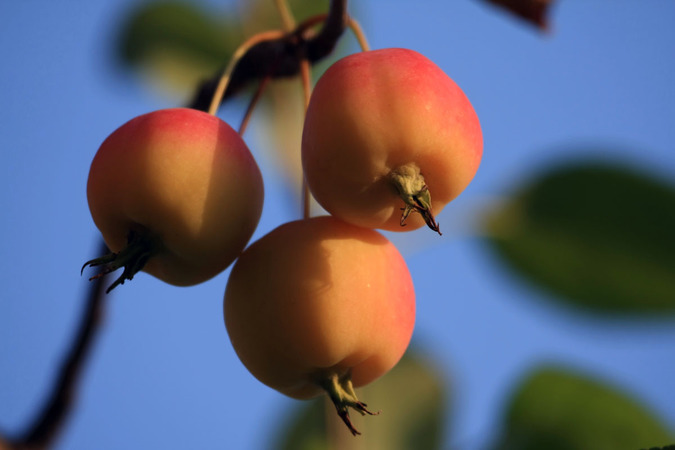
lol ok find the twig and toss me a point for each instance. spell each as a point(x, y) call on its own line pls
point(306, 79)
point(278, 58)
point(273, 59)
point(44, 430)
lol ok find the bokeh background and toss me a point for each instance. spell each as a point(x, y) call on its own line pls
point(544, 311)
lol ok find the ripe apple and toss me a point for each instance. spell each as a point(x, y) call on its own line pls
point(387, 125)
point(320, 305)
point(175, 192)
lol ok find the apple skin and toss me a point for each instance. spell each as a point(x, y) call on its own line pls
point(374, 111)
point(316, 297)
point(185, 179)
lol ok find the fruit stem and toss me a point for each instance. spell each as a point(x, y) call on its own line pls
point(252, 104)
point(306, 79)
point(412, 188)
point(285, 14)
point(356, 29)
point(236, 57)
point(341, 392)
point(140, 248)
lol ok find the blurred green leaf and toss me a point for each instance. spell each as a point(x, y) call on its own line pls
point(307, 429)
point(601, 237)
point(175, 45)
point(262, 15)
point(179, 43)
point(412, 399)
point(556, 409)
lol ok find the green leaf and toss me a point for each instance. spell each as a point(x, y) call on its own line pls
point(599, 236)
point(412, 399)
point(556, 409)
point(177, 43)
point(307, 429)
point(263, 15)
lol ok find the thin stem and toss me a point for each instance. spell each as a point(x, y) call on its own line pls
point(278, 58)
point(311, 22)
point(356, 29)
point(289, 23)
point(285, 13)
point(252, 104)
point(238, 54)
point(305, 77)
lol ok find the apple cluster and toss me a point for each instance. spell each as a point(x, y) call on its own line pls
point(321, 304)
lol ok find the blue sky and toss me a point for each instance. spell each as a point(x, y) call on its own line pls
point(163, 374)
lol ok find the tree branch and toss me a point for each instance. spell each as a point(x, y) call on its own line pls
point(278, 58)
point(44, 430)
point(534, 12)
point(274, 59)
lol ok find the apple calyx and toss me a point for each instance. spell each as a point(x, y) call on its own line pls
point(341, 392)
point(412, 188)
point(140, 248)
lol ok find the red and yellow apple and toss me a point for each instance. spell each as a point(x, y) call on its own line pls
point(181, 184)
point(385, 126)
point(320, 305)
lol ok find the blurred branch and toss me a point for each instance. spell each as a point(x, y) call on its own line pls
point(279, 58)
point(533, 11)
point(270, 59)
point(41, 434)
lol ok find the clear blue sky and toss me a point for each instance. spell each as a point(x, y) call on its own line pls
point(163, 374)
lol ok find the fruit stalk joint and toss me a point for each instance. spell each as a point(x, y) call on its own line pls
point(412, 188)
point(140, 248)
point(341, 392)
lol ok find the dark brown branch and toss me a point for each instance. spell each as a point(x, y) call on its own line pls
point(273, 59)
point(534, 12)
point(42, 433)
point(279, 58)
